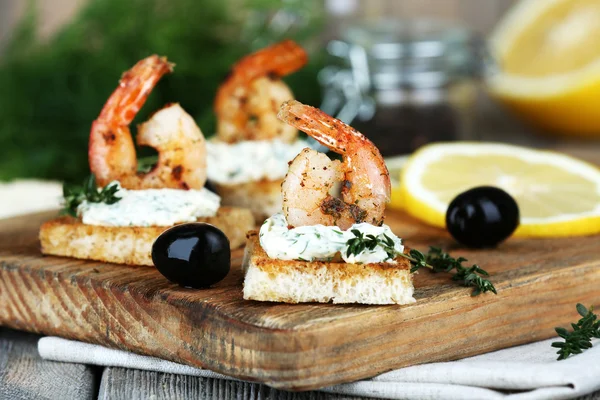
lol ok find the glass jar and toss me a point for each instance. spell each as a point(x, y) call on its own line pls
point(404, 83)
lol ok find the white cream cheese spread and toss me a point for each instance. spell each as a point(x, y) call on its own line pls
point(322, 243)
point(250, 161)
point(151, 207)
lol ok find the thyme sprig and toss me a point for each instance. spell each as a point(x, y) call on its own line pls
point(436, 260)
point(75, 195)
point(359, 243)
point(580, 339)
point(440, 261)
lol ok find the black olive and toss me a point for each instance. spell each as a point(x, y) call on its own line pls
point(482, 217)
point(193, 255)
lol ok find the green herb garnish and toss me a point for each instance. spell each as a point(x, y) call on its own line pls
point(359, 243)
point(436, 260)
point(580, 338)
point(75, 195)
point(439, 261)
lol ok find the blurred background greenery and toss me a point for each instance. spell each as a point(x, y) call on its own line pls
point(52, 89)
point(55, 77)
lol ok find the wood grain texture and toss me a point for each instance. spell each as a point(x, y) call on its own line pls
point(297, 346)
point(131, 384)
point(24, 375)
point(592, 396)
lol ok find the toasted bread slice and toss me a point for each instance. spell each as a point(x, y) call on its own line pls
point(68, 236)
point(263, 198)
point(291, 281)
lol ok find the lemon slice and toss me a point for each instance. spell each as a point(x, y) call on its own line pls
point(394, 166)
point(548, 54)
point(557, 195)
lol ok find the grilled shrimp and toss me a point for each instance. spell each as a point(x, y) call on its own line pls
point(307, 189)
point(247, 103)
point(171, 131)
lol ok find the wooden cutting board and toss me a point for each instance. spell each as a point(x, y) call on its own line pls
point(297, 346)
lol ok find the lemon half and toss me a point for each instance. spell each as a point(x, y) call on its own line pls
point(557, 195)
point(548, 53)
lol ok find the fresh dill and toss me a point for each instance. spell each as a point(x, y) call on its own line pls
point(75, 195)
point(580, 339)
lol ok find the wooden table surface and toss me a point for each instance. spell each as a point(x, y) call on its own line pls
point(24, 375)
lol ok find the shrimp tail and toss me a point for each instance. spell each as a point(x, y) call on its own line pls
point(276, 61)
point(317, 124)
point(134, 88)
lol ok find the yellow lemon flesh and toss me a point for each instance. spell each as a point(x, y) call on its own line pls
point(394, 165)
point(549, 58)
point(557, 195)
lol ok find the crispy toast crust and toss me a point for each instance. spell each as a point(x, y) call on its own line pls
point(263, 278)
point(271, 265)
point(68, 236)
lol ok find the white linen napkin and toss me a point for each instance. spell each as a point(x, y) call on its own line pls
point(24, 196)
point(524, 372)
